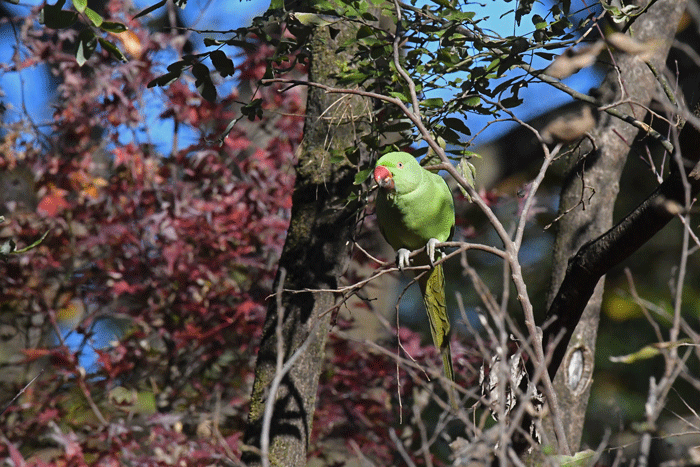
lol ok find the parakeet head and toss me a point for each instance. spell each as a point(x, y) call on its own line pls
point(397, 172)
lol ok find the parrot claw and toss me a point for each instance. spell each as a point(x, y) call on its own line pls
point(430, 249)
point(402, 258)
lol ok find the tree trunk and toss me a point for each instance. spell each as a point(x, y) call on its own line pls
point(315, 254)
point(596, 172)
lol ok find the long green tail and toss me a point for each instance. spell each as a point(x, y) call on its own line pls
point(432, 285)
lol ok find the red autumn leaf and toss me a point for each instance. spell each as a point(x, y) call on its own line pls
point(35, 354)
point(123, 286)
point(53, 203)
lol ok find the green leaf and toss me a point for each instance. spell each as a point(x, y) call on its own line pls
point(112, 49)
point(540, 36)
point(337, 157)
point(253, 109)
point(539, 22)
point(80, 5)
point(420, 151)
point(200, 71)
point(361, 176)
point(324, 5)
point(242, 44)
point(512, 83)
point(191, 59)
point(650, 351)
point(276, 5)
point(203, 82)
point(150, 9)
point(53, 17)
point(364, 31)
point(145, 403)
point(178, 66)
point(313, 19)
point(510, 102)
point(580, 459)
point(644, 353)
point(433, 103)
point(472, 101)
point(113, 27)
point(87, 43)
point(398, 126)
point(367, 16)
point(94, 17)
point(351, 197)
point(566, 6)
point(457, 124)
point(524, 8)
point(353, 77)
point(165, 79)
point(448, 135)
point(222, 63)
point(399, 96)
point(121, 395)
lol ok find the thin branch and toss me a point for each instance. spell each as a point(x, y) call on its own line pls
point(385, 267)
point(400, 448)
point(675, 328)
point(591, 100)
point(425, 446)
point(26, 386)
point(549, 156)
point(396, 46)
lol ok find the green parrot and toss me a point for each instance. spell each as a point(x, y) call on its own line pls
point(415, 209)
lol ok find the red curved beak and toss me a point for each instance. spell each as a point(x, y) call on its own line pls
point(383, 177)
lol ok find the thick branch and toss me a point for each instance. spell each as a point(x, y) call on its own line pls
point(597, 257)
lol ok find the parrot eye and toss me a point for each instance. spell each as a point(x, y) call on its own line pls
point(399, 165)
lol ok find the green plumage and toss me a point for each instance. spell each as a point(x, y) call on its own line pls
point(414, 208)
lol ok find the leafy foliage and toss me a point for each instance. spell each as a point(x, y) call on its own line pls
point(173, 251)
point(55, 17)
point(170, 254)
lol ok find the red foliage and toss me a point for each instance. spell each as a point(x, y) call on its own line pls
point(176, 251)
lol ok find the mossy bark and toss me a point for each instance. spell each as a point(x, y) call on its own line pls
point(315, 254)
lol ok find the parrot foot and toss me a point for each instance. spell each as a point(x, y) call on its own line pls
point(402, 258)
point(430, 249)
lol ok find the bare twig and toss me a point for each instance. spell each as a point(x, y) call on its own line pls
point(400, 448)
point(396, 46)
point(26, 386)
point(591, 100)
